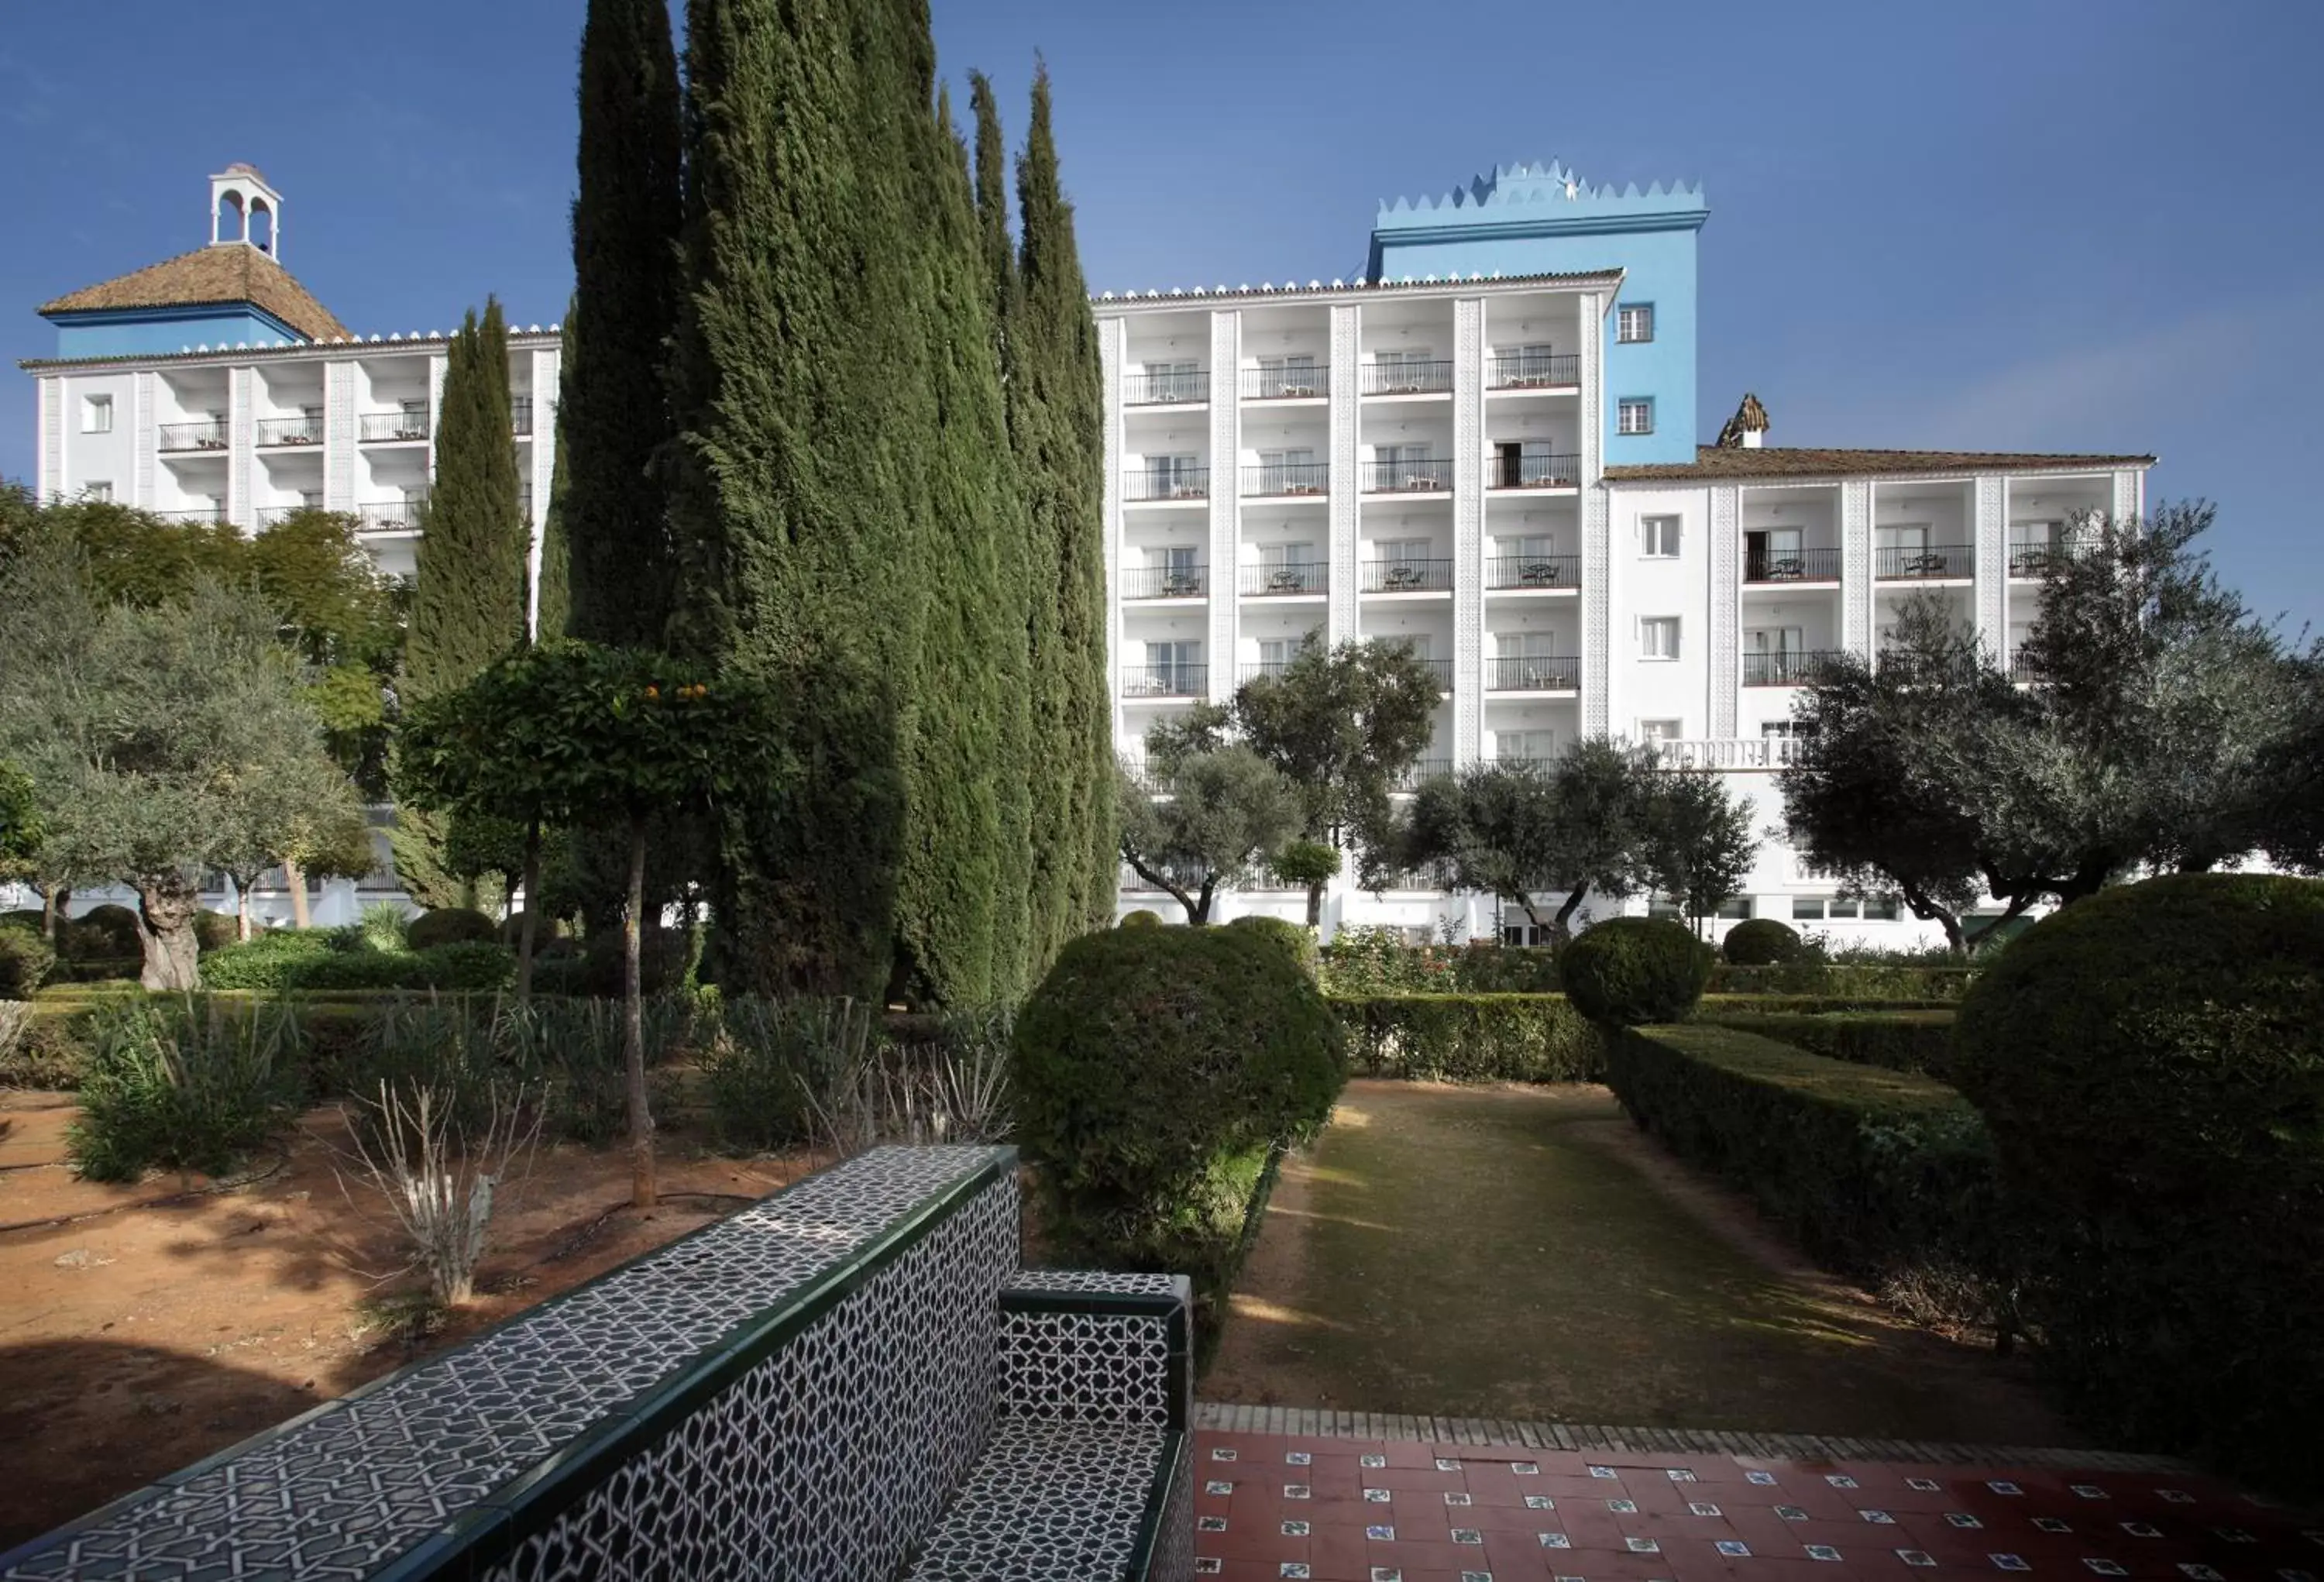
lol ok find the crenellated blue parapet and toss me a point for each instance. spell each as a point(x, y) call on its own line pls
point(1528, 195)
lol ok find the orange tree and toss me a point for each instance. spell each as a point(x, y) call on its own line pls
point(576, 733)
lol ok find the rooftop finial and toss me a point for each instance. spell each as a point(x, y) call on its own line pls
point(244, 208)
point(1744, 429)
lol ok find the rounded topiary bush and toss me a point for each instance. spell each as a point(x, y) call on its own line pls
point(215, 930)
point(450, 925)
point(118, 925)
point(1295, 938)
point(1632, 969)
point(1155, 1071)
point(663, 957)
point(25, 961)
point(1761, 941)
point(1140, 919)
point(2151, 1063)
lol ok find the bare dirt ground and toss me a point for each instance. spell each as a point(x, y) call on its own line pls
point(142, 1328)
point(1525, 1253)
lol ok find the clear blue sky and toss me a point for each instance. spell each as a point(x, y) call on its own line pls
point(1994, 223)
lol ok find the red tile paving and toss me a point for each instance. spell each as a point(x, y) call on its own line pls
point(1349, 1509)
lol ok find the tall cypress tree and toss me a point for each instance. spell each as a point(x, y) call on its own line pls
point(614, 412)
point(1057, 396)
point(552, 581)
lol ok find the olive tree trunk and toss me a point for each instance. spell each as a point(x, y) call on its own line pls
point(294, 879)
point(165, 918)
point(634, 1027)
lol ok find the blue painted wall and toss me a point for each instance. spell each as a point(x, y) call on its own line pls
point(1541, 220)
point(158, 331)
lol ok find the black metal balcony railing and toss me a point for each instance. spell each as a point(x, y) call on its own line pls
point(1288, 477)
point(1166, 680)
point(268, 516)
point(1420, 769)
point(1298, 383)
point(1534, 571)
point(1520, 761)
point(1407, 378)
point(1441, 668)
point(404, 518)
point(1167, 483)
point(1437, 876)
point(1428, 476)
point(1790, 668)
point(395, 425)
point(1407, 575)
point(206, 435)
point(1816, 565)
point(301, 430)
point(1261, 669)
point(1167, 389)
point(2034, 557)
point(1898, 565)
point(1533, 472)
point(1284, 577)
point(1533, 370)
point(1165, 582)
point(1184, 876)
point(520, 415)
point(194, 513)
point(2021, 668)
point(1534, 673)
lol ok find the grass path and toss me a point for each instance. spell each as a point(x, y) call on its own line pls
point(1523, 1254)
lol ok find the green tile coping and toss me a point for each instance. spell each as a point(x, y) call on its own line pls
point(530, 1502)
point(1177, 1452)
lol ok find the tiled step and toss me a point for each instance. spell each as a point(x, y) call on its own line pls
point(1059, 1502)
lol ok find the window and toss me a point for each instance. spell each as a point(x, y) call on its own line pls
point(1660, 730)
point(1735, 907)
point(97, 414)
point(1634, 322)
point(1282, 472)
point(1173, 476)
point(1658, 537)
point(1276, 653)
point(1658, 637)
point(1634, 414)
point(1881, 909)
point(1785, 730)
point(1517, 746)
point(1289, 375)
point(1290, 567)
point(1404, 371)
point(1167, 382)
point(1177, 667)
point(101, 493)
point(1844, 908)
point(1532, 547)
point(1808, 909)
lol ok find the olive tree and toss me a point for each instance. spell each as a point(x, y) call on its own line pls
point(1222, 813)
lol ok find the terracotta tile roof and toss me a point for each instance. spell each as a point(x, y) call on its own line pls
point(1713, 461)
point(229, 272)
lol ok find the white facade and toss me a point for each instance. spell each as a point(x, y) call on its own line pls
point(1424, 461)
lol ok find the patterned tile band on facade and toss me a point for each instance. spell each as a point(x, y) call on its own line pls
point(1223, 1417)
point(667, 1359)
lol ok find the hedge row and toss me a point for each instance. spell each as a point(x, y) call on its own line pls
point(1920, 1041)
point(1357, 963)
point(320, 960)
point(1718, 1007)
point(1469, 1037)
point(1884, 1176)
point(1945, 985)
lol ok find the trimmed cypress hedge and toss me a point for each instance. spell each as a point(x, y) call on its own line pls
point(1920, 1041)
point(1718, 1007)
point(1883, 1175)
point(1860, 982)
point(1470, 1037)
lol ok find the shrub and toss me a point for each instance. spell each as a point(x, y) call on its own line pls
point(382, 926)
point(32, 918)
point(780, 1065)
point(2152, 1062)
point(1156, 1073)
point(511, 931)
point(1761, 941)
point(1140, 919)
point(1296, 938)
point(1898, 1041)
point(1882, 1175)
point(25, 961)
point(1632, 969)
point(48, 1047)
point(312, 960)
point(664, 955)
point(1863, 981)
point(191, 1083)
point(1376, 961)
point(450, 925)
point(107, 930)
point(1470, 1037)
point(215, 930)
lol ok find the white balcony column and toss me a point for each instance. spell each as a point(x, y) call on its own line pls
point(1725, 651)
point(338, 436)
point(1989, 536)
point(1226, 500)
point(1343, 576)
point(1468, 529)
point(546, 361)
point(2129, 494)
point(242, 443)
point(1856, 583)
point(50, 474)
point(144, 441)
point(1110, 335)
point(1596, 525)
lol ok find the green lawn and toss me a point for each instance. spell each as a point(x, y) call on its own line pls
point(1522, 1253)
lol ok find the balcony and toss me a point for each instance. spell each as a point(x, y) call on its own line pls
point(1425, 476)
point(1166, 680)
point(1185, 878)
point(1728, 751)
point(1304, 478)
point(520, 415)
point(1796, 668)
point(1435, 876)
point(1441, 668)
point(1407, 575)
point(1503, 572)
point(1533, 472)
point(1261, 669)
point(1424, 769)
point(1819, 564)
point(268, 516)
point(1283, 578)
point(1523, 764)
point(1178, 388)
point(2032, 558)
point(1532, 371)
point(209, 434)
point(1408, 378)
point(1300, 383)
point(404, 518)
point(377, 427)
point(1534, 673)
point(1167, 483)
point(212, 514)
point(1906, 565)
point(1165, 582)
point(299, 430)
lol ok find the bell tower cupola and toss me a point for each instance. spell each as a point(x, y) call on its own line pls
point(244, 208)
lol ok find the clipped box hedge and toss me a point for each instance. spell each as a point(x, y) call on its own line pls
point(1470, 1037)
point(1883, 1175)
point(1718, 1007)
point(1942, 984)
point(1919, 1041)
